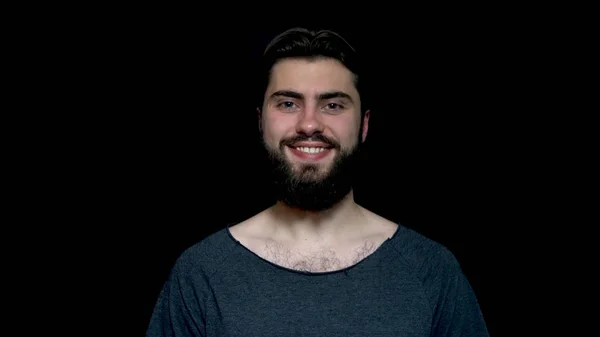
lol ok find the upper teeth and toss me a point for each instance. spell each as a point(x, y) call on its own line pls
point(310, 149)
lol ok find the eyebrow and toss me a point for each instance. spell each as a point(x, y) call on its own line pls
point(322, 96)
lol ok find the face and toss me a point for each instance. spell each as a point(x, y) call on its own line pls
point(311, 126)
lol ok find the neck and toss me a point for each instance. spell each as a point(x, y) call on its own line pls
point(342, 220)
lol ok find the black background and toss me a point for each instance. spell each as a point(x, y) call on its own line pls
point(171, 144)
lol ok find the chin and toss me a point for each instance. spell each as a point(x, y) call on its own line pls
point(308, 175)
point(311, 184)
point(315, 170)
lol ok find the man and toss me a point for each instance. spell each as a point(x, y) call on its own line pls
point(316, 263)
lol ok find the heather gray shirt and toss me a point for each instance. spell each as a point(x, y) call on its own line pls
point(410, 286)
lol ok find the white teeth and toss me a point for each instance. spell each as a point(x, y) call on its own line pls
point(311, 149)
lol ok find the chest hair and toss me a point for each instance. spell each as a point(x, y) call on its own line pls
point(316, 260)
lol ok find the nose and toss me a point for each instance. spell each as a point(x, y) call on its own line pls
point(309, 122)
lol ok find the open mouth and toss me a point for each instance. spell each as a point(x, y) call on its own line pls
point(307, 149)
point(311, 152)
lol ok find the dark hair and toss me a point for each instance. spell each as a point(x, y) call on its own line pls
point(304, 43)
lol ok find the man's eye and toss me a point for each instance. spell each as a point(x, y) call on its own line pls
point(286, 105)
point(334, 106)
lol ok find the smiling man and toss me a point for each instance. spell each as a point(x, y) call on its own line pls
point(315, 263)
point(311, 122)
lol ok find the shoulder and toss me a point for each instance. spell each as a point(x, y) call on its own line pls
point(428, 260)
point(212, 252)
point(451, 298)
point(206, 255)
point(414, 249)
point(419, 249)
point(251, 229)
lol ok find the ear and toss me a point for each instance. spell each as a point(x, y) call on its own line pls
point(365, 124)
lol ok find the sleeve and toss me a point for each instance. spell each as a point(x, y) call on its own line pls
point(456, 311)
point(181, 306)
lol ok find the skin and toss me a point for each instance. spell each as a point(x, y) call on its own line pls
point(337, 118)
point(294, 105)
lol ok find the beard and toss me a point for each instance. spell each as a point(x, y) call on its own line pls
point(312, 187)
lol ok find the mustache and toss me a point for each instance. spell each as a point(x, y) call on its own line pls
point(314, 138)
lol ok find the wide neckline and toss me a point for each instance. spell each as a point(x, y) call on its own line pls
point(367, 259)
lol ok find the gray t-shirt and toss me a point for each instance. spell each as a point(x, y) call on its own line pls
point(409, 286)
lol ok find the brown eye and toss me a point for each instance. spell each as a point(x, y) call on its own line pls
point(287, 105)
point(334, 106)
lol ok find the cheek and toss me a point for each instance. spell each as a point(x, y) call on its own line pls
point(346, 131)
point(272, 130)
point(279, 124)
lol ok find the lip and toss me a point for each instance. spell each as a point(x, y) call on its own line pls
point(309, 156)
point(311, 144)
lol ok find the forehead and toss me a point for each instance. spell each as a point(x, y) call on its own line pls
point(312, 76)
